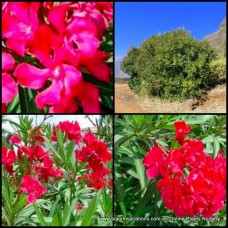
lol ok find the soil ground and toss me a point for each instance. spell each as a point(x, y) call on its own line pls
point(128, 102)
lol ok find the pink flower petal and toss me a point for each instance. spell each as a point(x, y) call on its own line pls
point(71, 79)
point(9, 88)
point(50, 96)
point(87, 43)
point(7, 61)
point(31, 76)
point(80, 25)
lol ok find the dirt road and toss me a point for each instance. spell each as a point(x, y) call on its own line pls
point(128, 102)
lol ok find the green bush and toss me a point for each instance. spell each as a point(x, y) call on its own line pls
point(173, 66)
point(218, 69)
point(134, 83)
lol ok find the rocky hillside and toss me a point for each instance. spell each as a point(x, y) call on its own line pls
point(218, 38)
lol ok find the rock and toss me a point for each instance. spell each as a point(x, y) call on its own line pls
point(218, 38)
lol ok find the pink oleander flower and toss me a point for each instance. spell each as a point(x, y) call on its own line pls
point(9, 86)
point(19, 24)
point(33, 188)
point(63, 40)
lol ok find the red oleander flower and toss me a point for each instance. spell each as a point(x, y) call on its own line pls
point(181, 130)
point(15, 139)
point(36, 138)
point(72, 130)
point(33, 188)
point(79, 207)
point(95, 153)
point(102, 151)
point(192, 182)
point(89, 138)
point(8, 159)
point(153, 161)
point(45, 169)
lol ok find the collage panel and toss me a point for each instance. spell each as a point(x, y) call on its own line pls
point(170, 170)
point(132, 63)
point(57, 170)
point(57, 57)
point(170, 57)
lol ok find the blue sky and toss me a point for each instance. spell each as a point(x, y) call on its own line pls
point(136, 21)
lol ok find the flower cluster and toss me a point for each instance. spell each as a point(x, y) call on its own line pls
point(91, 151)
point(62, 39)
point(72, 130)
point(191, 182)
point(37, 166)
point(95, 153)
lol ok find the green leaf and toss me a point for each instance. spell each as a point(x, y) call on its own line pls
point(87, 219)
point(14, 105)
point(120, 139)
point(132, 173)
point(6, 217)
point(55, 220)
point(29, 209)
point(52, 148)
point(39, 215)
point(24, 100)
point(60, 139)
point(69, 150)
point(146, 198)
point(138, 164)
point(6, 194)
point(54, 208)
point(69, 212)
point(20, 204)
point(216, 146)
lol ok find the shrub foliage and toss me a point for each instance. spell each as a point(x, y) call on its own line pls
point(172, 66)
point(218, 69)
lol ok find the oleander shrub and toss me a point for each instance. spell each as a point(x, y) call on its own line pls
point(170, 170)
point(218, 69)
point(173, 65)
point(128, 66)
point(56, 175)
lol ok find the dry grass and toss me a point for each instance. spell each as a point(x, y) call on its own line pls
point(128, 102)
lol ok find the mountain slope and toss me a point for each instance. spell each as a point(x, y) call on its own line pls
point(218, 38)
point(118, 72)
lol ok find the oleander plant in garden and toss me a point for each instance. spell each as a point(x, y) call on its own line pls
point(170, 170)
point(56, 175)
point(57, 57)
